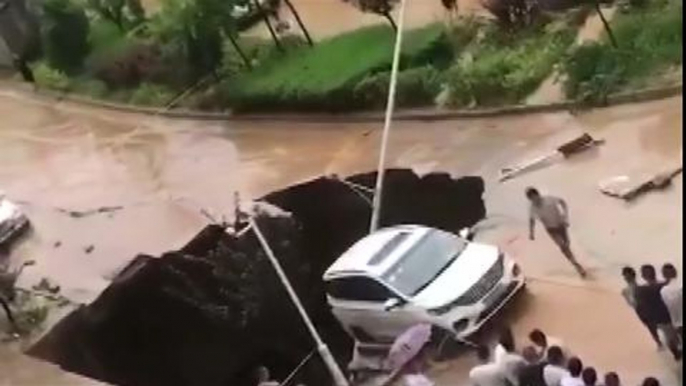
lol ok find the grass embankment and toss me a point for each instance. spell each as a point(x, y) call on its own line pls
point(649, 46)
point(344, 72)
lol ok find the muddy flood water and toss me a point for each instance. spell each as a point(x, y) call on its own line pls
point(157, 177)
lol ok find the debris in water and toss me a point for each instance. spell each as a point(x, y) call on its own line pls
point(46, 284)
point(569, 148)
point(213, 311)
point(89, 248)
point(85, 213)
point(628, 188)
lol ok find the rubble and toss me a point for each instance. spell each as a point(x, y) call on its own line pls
point(213, 311)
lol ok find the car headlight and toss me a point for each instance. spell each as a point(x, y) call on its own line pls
point(460, 325)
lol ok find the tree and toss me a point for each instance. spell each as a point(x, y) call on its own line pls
point(65, 35)
point(606, 25)
point(197, 27)
point(265, 17)
point(122, 13)
point(300, 22)
point(380, 7)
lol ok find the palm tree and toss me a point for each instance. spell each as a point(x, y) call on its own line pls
point(265, 17)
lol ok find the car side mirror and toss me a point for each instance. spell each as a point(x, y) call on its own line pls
point(392, 304)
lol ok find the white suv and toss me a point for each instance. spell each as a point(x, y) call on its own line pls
point(397, 277)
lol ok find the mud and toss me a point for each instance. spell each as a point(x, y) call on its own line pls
point(207, 314)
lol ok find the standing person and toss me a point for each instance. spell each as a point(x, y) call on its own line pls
point(590, 376)
point(555, 370)
point(612, 379)
point(672, 296)
point(532, 372)
point(629, 294)
point(544, 342)
point(649, 305)
point(574, 366)
point(486, 373)
point(508, 360)
point(553, 213)
point(506, 343)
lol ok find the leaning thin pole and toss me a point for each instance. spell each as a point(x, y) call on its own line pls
point(390, 105)
point(323, 349)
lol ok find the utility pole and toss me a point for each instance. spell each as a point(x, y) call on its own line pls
point(322, 348)
point(378, 191)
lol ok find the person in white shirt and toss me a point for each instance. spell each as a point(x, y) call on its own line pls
point(543, 342)
point(509, 361)
point(574, 366)
point(672, 295)
point(486, 374)
point(554, 372)
point(553, 213)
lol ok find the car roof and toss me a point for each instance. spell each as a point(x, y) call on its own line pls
point(373, 254)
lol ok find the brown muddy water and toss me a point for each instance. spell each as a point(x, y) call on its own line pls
point(57, 156)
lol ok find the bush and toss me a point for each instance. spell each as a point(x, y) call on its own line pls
point(149, 94)
point(500, 70)
point(89, 87)
point(323, 77)
point(65, 35)
point(50, 78)
point(415, 87)
point(650, 42)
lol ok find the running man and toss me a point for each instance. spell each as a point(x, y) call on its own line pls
point(553, 213)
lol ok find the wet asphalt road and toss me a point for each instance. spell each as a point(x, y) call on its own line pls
point(162, 173)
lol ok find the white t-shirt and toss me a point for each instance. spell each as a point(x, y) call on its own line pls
point(489, 374)
point(572, 381)
point(672, 296)
point(549, 212)
point(553, 375)
point(417, 380)
point(510, 364)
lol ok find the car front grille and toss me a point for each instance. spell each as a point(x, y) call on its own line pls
point(484, 285)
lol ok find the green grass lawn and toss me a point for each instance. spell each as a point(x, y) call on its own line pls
point(323, 77)
point(649, 42)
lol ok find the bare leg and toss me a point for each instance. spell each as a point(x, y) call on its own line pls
point(672, 340)
point(561, 238)
point(652, 329)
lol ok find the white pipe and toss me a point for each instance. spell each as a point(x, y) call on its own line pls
point(324, 352)
point(390, 105)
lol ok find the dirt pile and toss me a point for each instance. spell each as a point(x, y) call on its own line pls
point(211, 312)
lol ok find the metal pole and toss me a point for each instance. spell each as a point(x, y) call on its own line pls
point(390, 105)
point(322, 348)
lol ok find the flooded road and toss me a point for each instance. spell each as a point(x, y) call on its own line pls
point(163, 173)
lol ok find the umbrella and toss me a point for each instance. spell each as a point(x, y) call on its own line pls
point(408, 345)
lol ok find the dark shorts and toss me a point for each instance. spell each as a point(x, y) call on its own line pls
point(559, 235)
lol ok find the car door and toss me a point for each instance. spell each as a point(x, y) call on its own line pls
point(360, 305)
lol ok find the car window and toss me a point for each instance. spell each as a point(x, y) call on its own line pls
point(423, 262)
point(358, 288)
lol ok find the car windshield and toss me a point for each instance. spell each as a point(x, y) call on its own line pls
point(424, 262)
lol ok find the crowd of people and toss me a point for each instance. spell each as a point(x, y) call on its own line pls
point(546, 361)
point(658, 304)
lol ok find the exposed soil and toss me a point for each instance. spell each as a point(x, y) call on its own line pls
point(209, 313)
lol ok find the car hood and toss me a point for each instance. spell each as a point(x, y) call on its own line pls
point(460, 276)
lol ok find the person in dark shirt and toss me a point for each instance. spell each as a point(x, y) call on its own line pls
point(651, 307)
point(532, 373)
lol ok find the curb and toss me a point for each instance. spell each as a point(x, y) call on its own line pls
point(426, 115)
